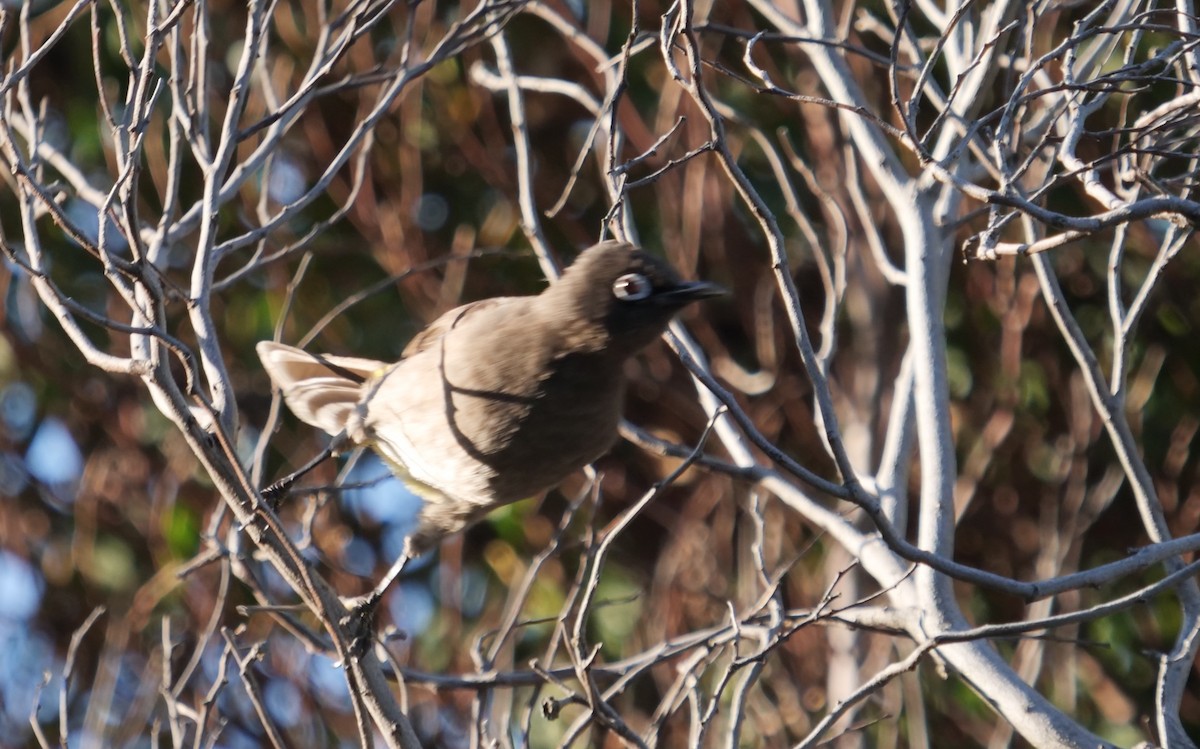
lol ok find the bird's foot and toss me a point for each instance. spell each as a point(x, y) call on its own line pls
point(360, 622)
point(274, 493)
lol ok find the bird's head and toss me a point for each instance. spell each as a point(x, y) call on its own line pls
point(623, 295)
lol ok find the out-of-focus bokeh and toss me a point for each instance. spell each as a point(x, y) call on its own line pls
point(104, 503)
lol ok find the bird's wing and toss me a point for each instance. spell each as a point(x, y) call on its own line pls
point(447, 322)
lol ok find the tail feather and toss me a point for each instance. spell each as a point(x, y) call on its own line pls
point(321, 390)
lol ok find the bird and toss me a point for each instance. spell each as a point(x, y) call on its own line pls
point(497, 400)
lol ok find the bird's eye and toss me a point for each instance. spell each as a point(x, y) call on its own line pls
point(632, 287)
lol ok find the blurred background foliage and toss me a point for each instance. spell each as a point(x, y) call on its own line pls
point(101, 502)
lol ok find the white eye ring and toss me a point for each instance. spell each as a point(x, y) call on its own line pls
point(632, 287)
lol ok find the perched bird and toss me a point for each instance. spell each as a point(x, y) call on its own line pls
point(500, 399)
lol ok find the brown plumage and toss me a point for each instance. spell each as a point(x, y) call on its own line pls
point(500, 399)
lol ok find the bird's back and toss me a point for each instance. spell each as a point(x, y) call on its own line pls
point(484, 413)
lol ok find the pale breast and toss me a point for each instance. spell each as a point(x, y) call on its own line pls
point(410, 421)
point(487, 416)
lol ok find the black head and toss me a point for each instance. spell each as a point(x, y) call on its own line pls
point(623, 294)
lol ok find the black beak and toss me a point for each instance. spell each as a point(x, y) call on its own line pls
point(686, 292)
